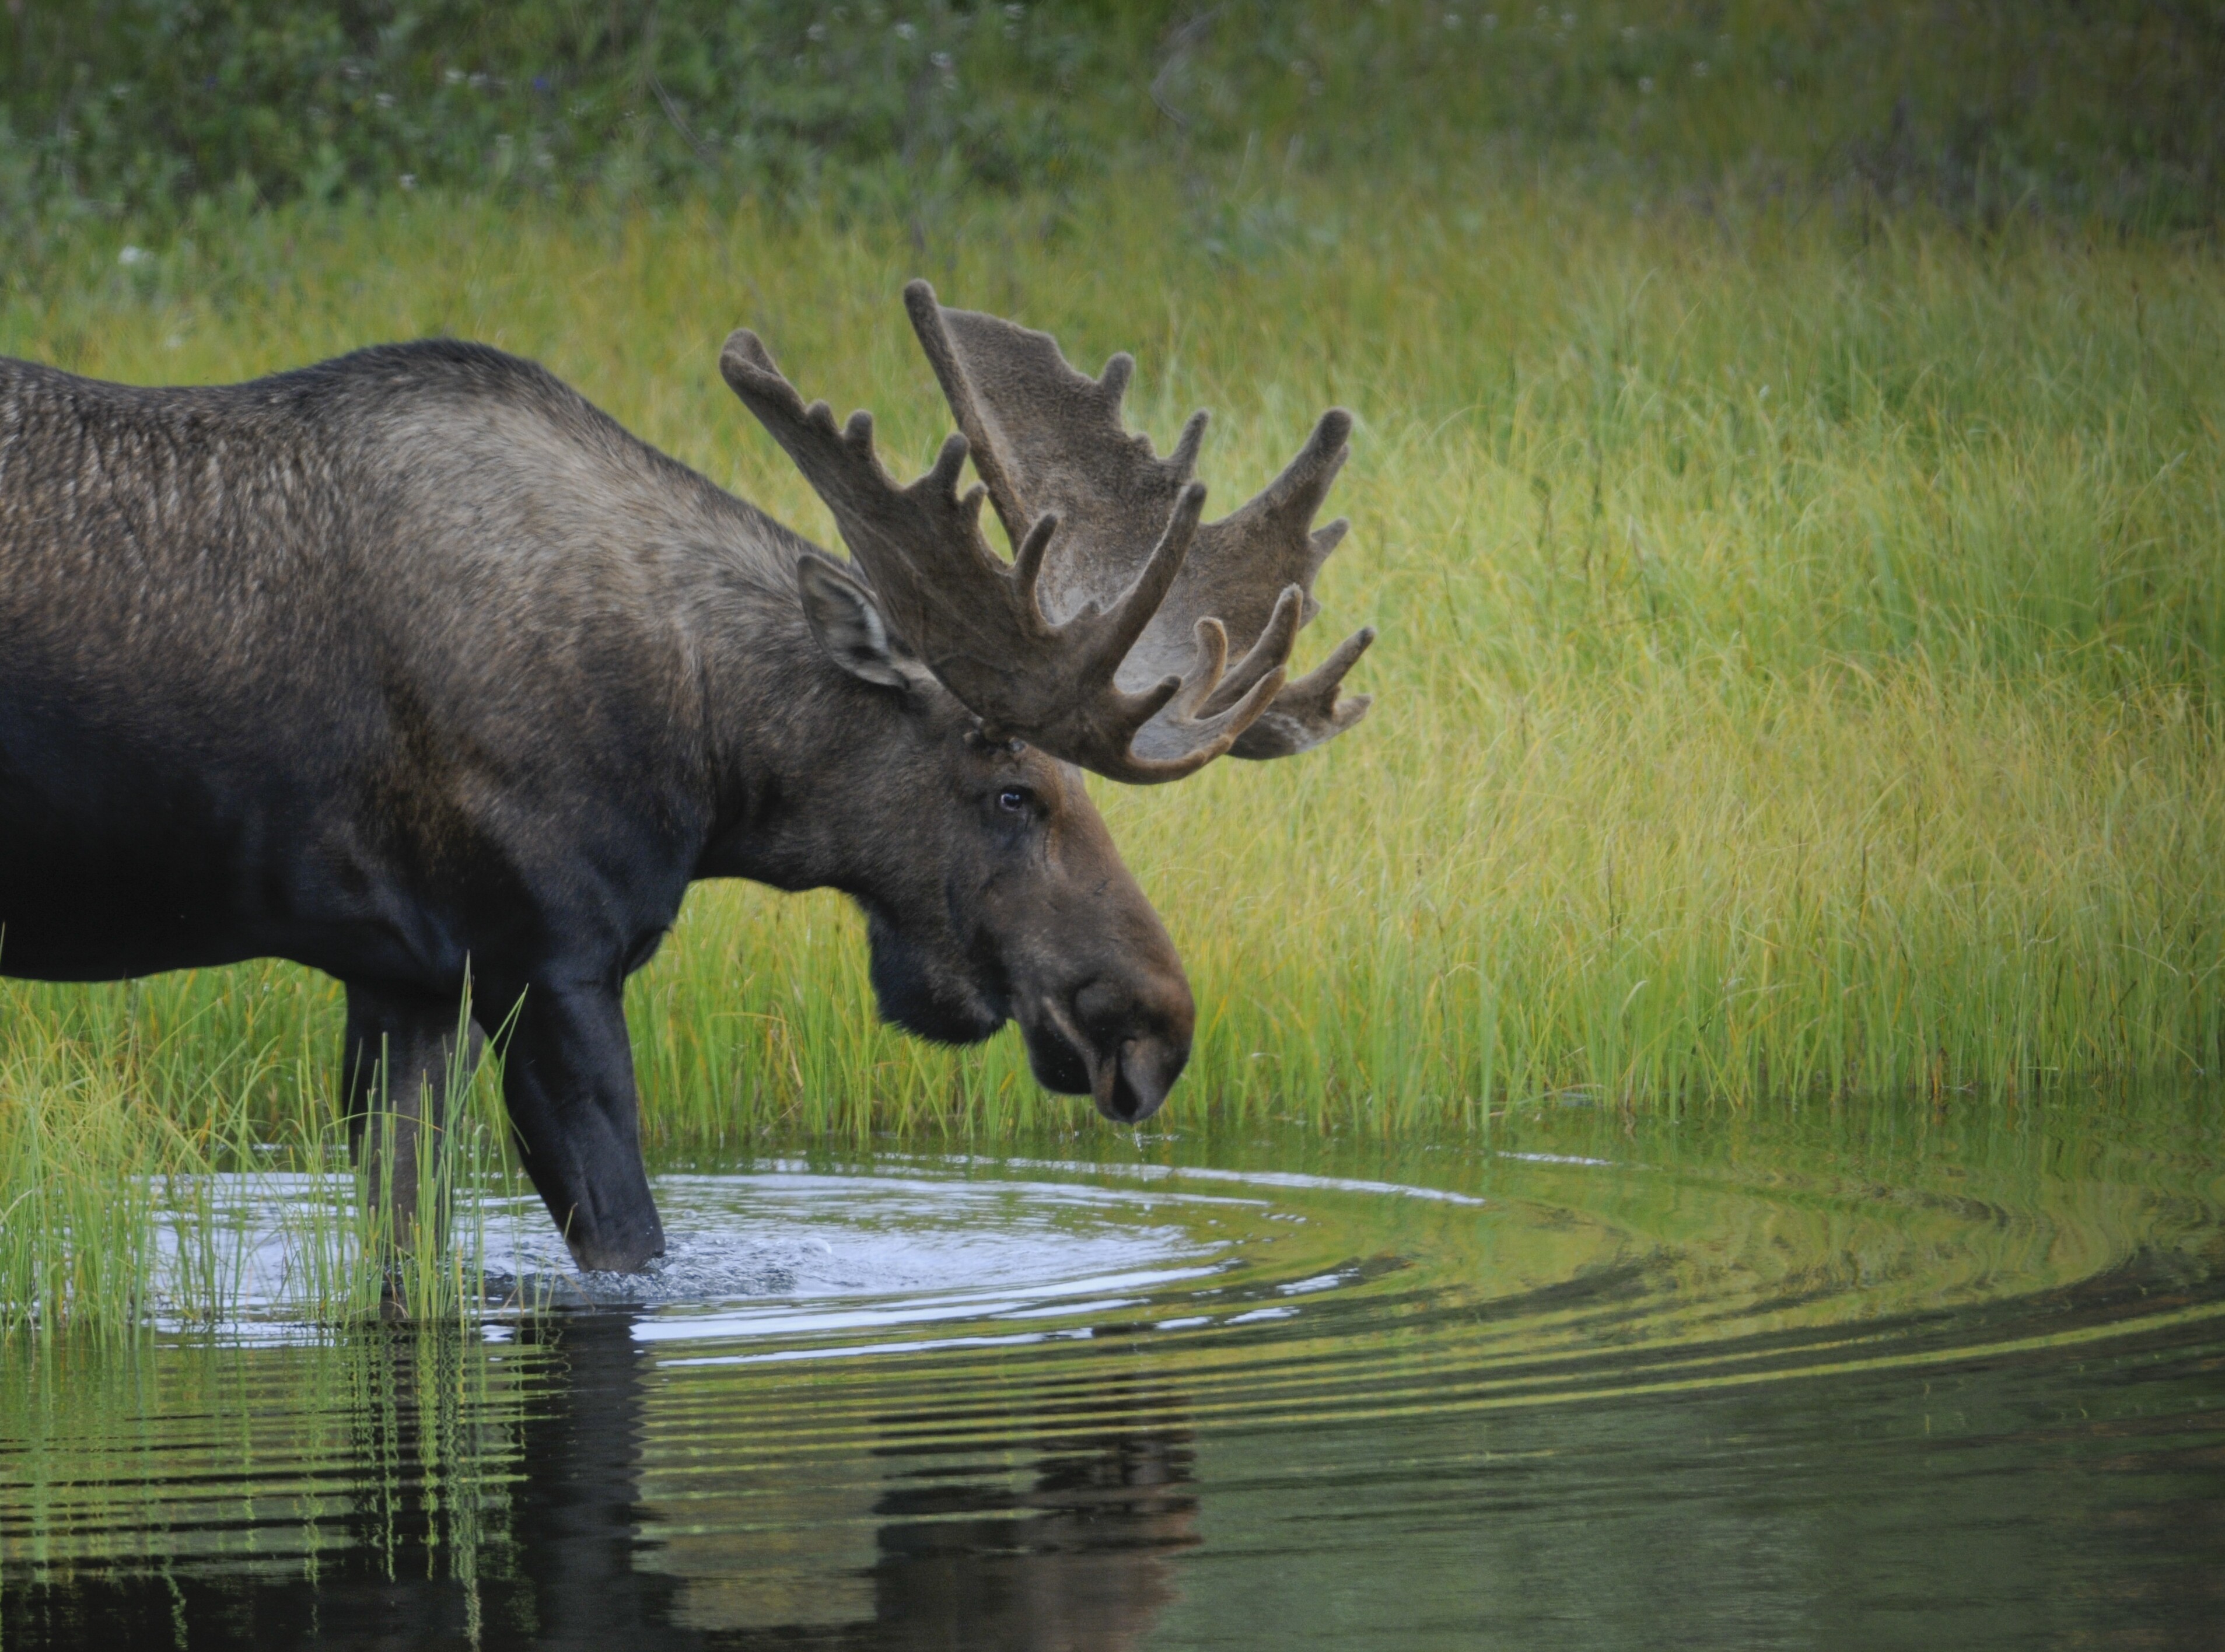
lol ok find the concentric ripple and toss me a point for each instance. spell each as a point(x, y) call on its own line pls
point(1290, 1297)
point(1175, 1396)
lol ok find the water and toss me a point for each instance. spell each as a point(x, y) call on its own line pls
point(1901, 1375)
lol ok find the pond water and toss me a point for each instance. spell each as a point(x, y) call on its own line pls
point(1895, 1374)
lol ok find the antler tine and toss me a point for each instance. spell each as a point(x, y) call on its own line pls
point(1309, 712)
point(925, 313)
point(1270, 652)
point(978, 623)
point(1027, 561)
point(1184, 457)
point(908, 539)
point(1306, 480)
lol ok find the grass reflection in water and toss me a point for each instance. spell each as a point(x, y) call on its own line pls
point(1751, 1378)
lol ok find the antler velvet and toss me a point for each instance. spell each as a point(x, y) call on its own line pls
point(1105, 640)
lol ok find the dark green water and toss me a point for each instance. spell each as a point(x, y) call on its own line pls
point(1894, 1376)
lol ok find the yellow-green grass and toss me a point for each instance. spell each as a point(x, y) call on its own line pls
point(1800, 647)
point(130, 1145)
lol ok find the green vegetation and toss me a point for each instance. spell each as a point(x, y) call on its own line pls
point(114, 1211)
point(1801, 565)
point(158, 108)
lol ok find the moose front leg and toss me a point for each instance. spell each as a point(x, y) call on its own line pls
point(567, 1079)
point(399, 1065)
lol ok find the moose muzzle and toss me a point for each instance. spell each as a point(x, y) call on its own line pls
point(1122, 1043)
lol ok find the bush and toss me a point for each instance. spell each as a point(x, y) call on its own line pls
point(137, 106)
point(2109, 108)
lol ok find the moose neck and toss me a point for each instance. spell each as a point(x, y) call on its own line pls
point(800, 753)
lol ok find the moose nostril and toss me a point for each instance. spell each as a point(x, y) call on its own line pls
point(1134, 1036)
point(1117, 1098)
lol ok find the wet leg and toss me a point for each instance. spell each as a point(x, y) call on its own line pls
point(400, 1062)
point(568, 1080)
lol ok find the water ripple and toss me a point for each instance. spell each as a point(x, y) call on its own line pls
point(849, 1378)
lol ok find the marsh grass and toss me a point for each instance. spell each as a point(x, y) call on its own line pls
point(138, 1185)
point(1801, 638)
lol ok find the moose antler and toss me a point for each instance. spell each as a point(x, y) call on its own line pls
point(1048, 438)
point(1109, 653)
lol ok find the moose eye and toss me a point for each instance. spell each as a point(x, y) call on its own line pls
point(1012, 800)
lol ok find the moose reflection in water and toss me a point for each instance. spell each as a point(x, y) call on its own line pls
point(571, 1512)
point(1078, 1561)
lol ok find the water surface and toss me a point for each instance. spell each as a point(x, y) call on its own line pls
point(1895, 1374)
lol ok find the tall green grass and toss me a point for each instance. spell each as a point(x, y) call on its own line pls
point(1801, 643)
point(140, 1130)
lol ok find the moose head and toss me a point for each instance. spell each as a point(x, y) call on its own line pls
point(1104, 644)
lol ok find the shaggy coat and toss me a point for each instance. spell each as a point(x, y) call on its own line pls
point(414, 667)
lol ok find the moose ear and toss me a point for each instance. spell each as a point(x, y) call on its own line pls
point(841, 615)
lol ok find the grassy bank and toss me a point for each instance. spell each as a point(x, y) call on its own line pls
point(1801, 643)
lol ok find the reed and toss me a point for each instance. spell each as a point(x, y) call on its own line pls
point(1801, 639)
point(162, 1163)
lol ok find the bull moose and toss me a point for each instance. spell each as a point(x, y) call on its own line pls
point(414, 667)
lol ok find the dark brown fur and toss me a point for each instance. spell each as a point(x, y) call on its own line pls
point(413, 662)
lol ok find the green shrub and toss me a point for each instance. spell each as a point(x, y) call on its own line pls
point(2113, 108)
